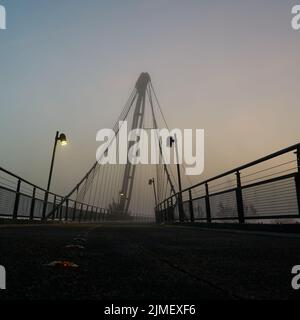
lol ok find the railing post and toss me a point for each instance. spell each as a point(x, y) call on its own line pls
point(180, 207)
point(172, 210)
point(74, 211)
point(92, 215)
point(86, 216)
point(191, 206)
point(84, 213)
point(97, 215)
point(55, 215)
point(239, 198)
point(31, 217)
point(165, 212)
point(80, 213)
point(45, 205)
point(17, 201)
point(207, 204)
point(166, 206)
point(297, 178)
point(60, 211)
point(160, 213)
point(67, 210)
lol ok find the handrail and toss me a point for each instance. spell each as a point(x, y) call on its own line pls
point(27, 182)
point(163, 207)
point(247, 165)
point(19, 193)
point(242, 167)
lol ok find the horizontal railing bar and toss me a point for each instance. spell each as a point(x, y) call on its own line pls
point(247, 165)
point(222, 192)
point(13, 191)
point(280, 216)
point(8, 189)
point(26, 181)
point(287, 176)
point(225, 218)
point(38, 188)
point(199, 198)
point(290, 216)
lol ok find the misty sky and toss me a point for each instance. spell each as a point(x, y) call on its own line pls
point(230, 67)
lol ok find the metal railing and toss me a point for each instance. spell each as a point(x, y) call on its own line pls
point(265, 189)
point(22, 200)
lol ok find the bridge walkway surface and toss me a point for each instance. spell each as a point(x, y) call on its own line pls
point(136, 262)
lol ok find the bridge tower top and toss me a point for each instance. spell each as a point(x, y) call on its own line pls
point(142, 82)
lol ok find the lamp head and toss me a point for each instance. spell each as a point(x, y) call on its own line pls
point(63, 139)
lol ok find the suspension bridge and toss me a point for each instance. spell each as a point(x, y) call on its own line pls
point(113, 236)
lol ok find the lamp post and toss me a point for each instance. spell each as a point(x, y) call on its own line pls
point(63, 141)
point(152, 182)
point(180, 205)
point(59, 137)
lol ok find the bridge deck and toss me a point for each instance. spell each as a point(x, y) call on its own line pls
point(122, 261)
